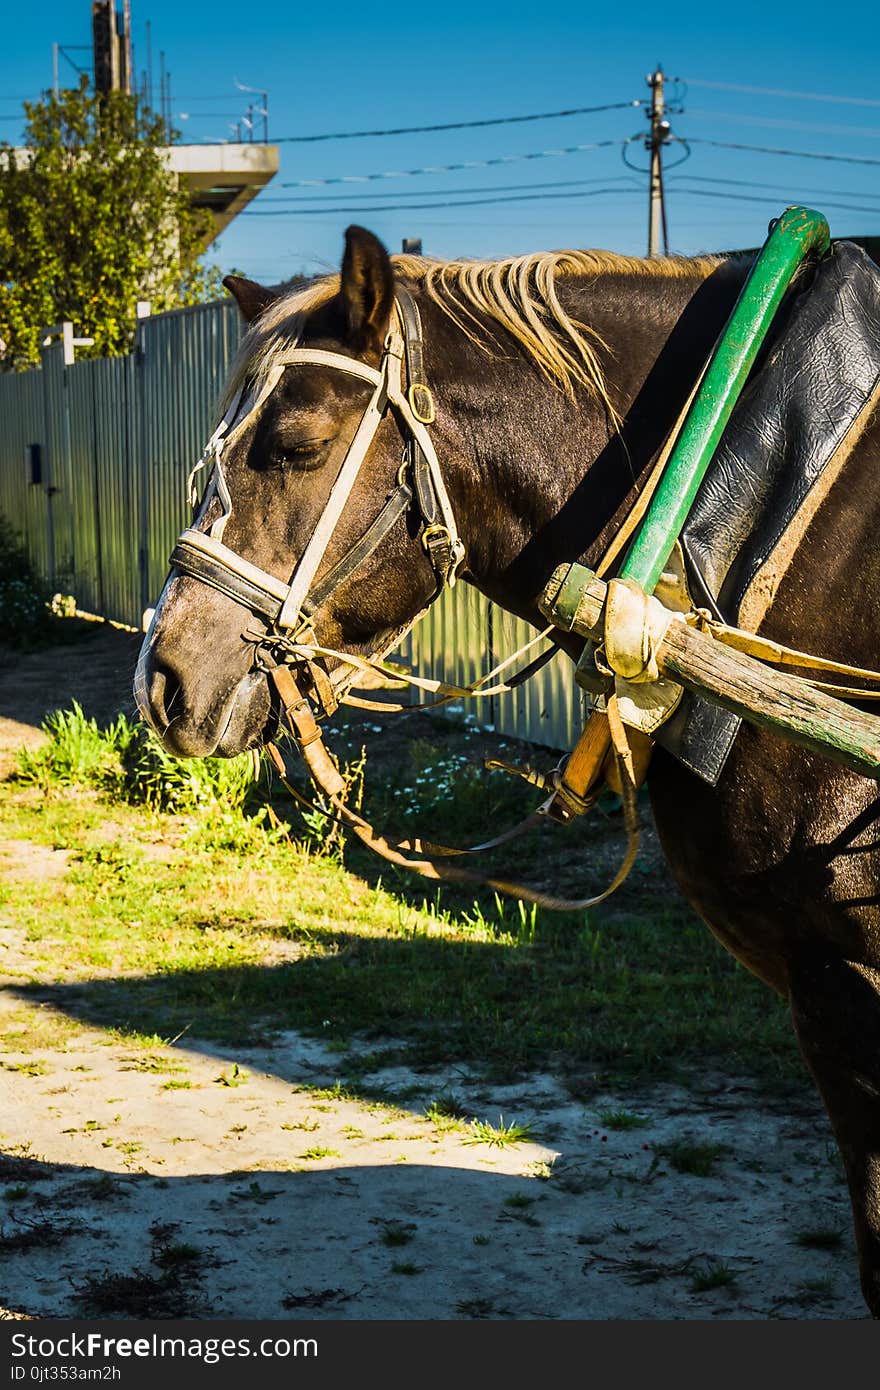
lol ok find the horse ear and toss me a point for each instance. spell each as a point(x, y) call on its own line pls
point(367, 287)
point(251, 298)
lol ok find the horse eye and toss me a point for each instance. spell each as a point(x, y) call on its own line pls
point(307, 453)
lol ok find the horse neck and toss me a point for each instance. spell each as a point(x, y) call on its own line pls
point(539, 478)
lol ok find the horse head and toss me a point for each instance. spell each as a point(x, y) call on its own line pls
point(312, 523)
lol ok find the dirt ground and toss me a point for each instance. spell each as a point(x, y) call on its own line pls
point(184, 1181)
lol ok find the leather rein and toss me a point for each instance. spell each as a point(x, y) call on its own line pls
point(289, 643)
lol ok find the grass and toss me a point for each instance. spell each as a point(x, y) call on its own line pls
point(167, 1286)
point(820, 1238)
point(396, 1233)
point(214, 920)
point(713, 1275)
point(690, 1156)
point(500, 1136)
point(622, 1120)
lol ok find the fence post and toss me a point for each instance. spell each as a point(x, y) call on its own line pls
point(139, 413)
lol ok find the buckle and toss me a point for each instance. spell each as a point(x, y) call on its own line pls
point(424, 412)
point(435, 536)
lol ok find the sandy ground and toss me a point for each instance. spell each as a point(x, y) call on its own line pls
point(184, 1181)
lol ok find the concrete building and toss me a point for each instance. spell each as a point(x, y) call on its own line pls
point(223, 178)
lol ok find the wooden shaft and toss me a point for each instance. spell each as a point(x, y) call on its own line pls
point(588, 754)
point(575, 601)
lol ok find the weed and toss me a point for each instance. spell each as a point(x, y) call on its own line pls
point(396, 1233)
point(815, 1291)
point(500, 1136)
point(176, 1255)
point(101, 1189)
point(690, 1156)
point(183, 940)
point(406, 1267)
point(15, 1194)
point(168, 1290)
point(320, 1151)
point(78, 752)
point(254, 1193)
point(25, 601)
point(152, 1061)
point(21, 1234)
point(235, 1077)
point(30, 1068)
point(819, 1238)
point(165, 783)
point(622, 1120)
point(713, 1275)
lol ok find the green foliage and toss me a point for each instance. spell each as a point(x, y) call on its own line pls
point(91, 220)
point(127, 760)
point(165, 783)
point(77, 753)
point(24, 614)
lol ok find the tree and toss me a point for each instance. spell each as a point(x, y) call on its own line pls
point(91, 220)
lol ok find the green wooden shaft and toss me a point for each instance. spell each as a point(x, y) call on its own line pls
point(796, 233)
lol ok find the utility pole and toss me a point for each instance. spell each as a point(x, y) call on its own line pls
point(654, 143)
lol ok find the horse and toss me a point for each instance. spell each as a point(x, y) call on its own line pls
point(554, 380)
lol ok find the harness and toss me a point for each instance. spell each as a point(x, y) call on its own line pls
point(287, 608)
point(628, 633)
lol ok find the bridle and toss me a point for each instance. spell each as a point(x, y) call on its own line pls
point(288, 608)
point(288, 651)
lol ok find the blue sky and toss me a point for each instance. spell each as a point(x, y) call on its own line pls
point(345, 67)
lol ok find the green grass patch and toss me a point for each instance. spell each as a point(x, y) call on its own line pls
point(690, 1156)
point(622, 1120)
point(226, 919)
point(820, 1238)
point(713, 1275)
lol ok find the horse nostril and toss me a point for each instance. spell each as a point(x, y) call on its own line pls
point(163, 692)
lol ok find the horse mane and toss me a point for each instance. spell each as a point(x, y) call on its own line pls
point(517, 294)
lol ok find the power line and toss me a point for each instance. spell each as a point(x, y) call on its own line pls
point(415, 207)
point(449, 192)
point(780, 92)
point(782, 123)
point(451, 168)
point(452, 125)
point(756, 198)
point(795, 154)
point(775, 188)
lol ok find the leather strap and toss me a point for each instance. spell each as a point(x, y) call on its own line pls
point(327, 777)
point(371, 540)
point(435, 536)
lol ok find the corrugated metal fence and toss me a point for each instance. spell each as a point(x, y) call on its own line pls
point(101, 498)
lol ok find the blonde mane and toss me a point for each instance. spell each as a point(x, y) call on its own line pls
point(517, 294)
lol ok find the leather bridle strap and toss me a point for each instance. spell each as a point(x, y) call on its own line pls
point(435, 537)
point(205, 557)
point(394, 508)
point(327, 777)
